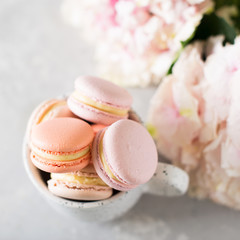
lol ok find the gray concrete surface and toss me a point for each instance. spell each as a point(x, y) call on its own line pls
point(39, 58)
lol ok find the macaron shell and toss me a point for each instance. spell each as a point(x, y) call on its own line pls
point(64, 135)
point(130, 152)
point(60, 166)
point(97, 127)
point(92, 114)
point(34, 118)
point(132, 115)
point(61, 110)
point(79, 192)
point(103, 91)
point(41, 110)
point(100, 169)
point(88, 171)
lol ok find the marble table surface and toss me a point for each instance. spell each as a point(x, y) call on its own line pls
point(40, 56)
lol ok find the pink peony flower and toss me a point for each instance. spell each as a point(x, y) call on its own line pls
point(136, 40)
point(195, 114)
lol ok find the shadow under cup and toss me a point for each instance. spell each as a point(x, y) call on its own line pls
point(101, 210)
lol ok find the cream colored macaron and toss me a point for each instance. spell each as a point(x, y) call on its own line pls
point(81, 185)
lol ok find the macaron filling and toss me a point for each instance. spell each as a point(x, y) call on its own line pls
point(105, 165)
point(82, 180)
point(60, 156)
point(79, 191)
point(99, 105)
point(65, 165)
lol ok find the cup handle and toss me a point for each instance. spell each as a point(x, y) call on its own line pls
point(168, 180)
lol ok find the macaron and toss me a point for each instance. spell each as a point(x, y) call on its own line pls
point(97, 127)
point(47, 110)
point(99, 101)
point(50, 109)
point(134, 116)
point(80, 185)
point(124, 155)
point(61, 145)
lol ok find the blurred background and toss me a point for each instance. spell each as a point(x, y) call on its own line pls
point(40, 56)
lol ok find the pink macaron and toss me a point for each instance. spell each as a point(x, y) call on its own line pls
point(81, 185)
point(124, 155)
point(61, 145)
point(99, 101)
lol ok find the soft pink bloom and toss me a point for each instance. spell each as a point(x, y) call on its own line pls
point(196, 117)
point(233, 126)
point(210, 179)
point(136, 40)
point(220, 69)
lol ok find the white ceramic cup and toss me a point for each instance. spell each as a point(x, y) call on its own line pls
point(168, 180)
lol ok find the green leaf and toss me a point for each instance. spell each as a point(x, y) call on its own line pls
point(171, 68)
point(237, 20)
point(176, 58)
point(212, 25)
point(222, 3)
point(186, 42)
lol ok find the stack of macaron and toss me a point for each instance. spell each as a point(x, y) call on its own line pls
point(92, 142)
